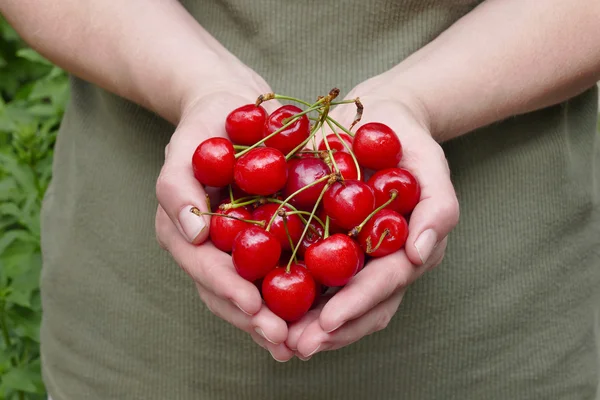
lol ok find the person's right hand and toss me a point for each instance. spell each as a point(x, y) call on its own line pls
point(185, 234)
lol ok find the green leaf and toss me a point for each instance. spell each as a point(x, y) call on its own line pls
point(13, 236)
point(26, 378)
point(33, 56)
point(42, 110)
point(23, 174)
point(25, 322)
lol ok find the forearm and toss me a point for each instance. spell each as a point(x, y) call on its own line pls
point(150, 52)
point(507, 57)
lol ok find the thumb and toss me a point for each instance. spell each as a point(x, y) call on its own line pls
point(437, 212)
point(177, 190)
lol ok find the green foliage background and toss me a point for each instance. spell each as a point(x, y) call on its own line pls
point(33, 94)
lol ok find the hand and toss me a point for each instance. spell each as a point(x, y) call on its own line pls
point(370, 300)
point(183, 233)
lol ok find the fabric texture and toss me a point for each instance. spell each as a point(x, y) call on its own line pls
point(512, 312)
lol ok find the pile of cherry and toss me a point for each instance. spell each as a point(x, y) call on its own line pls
point(298, 216)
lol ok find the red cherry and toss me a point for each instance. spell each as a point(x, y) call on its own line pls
point(262, 171)
point(349, 202)
point(301, 173)
point(294, 224)
point(402, 181)
point(346, 165)
point(291, 137)
point(213, 162)
point(335, 143)
point(223, 230)
point(289, 294)
point(376, 146)
point(386, 224)
point(255, 252)
point(333, 261)
point(314, 234)
point(245, 124)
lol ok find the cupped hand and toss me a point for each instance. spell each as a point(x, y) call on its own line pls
point(184, 234)
point(370, 300)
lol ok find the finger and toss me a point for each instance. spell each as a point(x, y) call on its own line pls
point(263, 324)
point(380, 279)
point(314, 339)
point(437, 212)
point(177, 189)
point(209, 266)
point(295, 329)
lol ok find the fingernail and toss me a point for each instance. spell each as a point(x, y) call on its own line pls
point(275, 358)
point(191, 223)
point(337, 327)
point(425, 244)
point(262, 334)
point(303, 358)
point(240, 307)
point(314, 351)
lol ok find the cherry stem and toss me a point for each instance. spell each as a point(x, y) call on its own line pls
point(238, 204)
point(347, 146)
point(337, 103)
point(199, 213)
point(207, 200)
point(340, 126)
point(326, 234)
point(239, 147)
point(300, 213)
point(335, 167)
point(297, 212)
point(359, 112)
point(291, 196)
point(312, 215)
point(280, 97)
point(305, 141)
point(287, 233)
point(231, 199)
point(381, 238)
point(293, 119)
point(356, 230)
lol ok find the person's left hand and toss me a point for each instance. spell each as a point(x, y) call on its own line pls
point(370, 300)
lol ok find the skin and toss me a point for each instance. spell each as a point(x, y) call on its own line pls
point(524, 63)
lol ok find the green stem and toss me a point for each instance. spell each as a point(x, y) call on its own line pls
point(304, 142)
point(356, 230)
point(291, 196)
point(287, 233)
point(347, 146)
point(293, 119)
point(340, 126)
point(231, 199)
point(335, 167)
point(239, 147)
point(280, 97)
point(238, 203)
point(326, 234)
point(312, 214)
point(300, 213)
point(250, 221)
point(337, 103)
